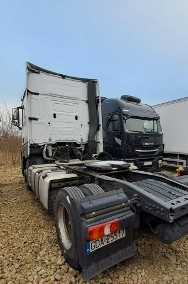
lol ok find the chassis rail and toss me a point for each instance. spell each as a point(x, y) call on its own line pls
point(157, 195)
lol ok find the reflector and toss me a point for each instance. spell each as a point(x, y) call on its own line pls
point(101, 230)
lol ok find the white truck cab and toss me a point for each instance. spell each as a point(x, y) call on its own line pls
point(60, 117)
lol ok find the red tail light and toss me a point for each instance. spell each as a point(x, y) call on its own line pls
point(101, 230)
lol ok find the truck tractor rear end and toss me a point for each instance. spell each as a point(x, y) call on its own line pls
point(60, 117)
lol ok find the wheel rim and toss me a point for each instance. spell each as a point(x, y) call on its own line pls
point(65, 228)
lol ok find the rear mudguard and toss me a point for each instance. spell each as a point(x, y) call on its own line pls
point(97, 209)
point(170, 232)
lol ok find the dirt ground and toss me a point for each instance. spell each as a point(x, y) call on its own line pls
point(29, 252)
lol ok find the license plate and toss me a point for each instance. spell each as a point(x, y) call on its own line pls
point(97, 244)
point(147, 163)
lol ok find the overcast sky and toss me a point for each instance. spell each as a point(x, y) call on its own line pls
point(132, 47)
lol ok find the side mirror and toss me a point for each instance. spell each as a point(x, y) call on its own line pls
point(16, 117)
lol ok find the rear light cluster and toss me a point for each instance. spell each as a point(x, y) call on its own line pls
point(102, 230)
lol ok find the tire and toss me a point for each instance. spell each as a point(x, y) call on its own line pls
point(74, 192)
point(26, 181)
point(65, 224)
point(23, 159)
point(91, 189)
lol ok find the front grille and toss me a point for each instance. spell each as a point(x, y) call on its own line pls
point(145, 151)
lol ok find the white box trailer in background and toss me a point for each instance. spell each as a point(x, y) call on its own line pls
point(174, 119)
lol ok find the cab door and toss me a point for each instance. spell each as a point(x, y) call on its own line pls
point(114, 136)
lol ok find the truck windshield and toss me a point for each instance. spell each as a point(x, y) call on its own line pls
point(142, 125)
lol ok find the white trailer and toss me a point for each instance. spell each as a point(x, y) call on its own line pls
point(174, 117)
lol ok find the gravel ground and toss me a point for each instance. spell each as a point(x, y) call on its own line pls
point(29, 252)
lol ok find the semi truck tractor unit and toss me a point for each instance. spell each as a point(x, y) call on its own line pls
point(97, 205)
point(132, 132)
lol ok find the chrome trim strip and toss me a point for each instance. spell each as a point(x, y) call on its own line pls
point(145, 151)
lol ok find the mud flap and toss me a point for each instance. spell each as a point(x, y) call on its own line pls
point(101, 265)
point(171, 232)
point(105, 207)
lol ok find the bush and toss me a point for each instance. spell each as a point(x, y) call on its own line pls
point(10, 140)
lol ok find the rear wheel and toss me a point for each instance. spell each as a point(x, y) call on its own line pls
point(26, 180)
point(91, 189)
point(65, 219)
point(65, 223)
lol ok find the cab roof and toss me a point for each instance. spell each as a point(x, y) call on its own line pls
point(36, 69)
